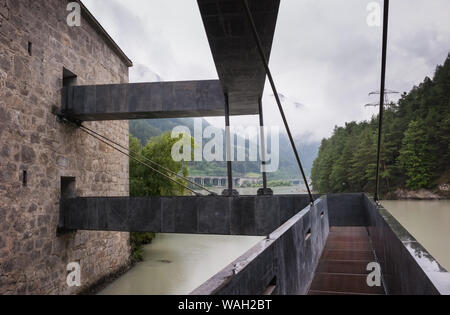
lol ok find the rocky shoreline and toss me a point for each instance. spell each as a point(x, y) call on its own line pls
point(442, 193)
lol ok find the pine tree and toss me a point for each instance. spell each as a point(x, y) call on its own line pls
point(414, 157)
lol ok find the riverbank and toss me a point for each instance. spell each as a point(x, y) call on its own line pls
point(104, 282)
point(442, 193)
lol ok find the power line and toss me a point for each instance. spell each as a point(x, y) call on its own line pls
point(386, 100)
point(150, 161)
point(140, 162)
point(99, 138)
point(386, 91)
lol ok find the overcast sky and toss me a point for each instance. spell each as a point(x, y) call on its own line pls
point(325, 59)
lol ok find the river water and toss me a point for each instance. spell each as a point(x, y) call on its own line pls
point(428, 222)
point(178, 264)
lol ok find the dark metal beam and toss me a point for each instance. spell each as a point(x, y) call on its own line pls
point(230, 38)
point(265, 62)
point(247, 215)
point(265, 191)
point(228, 146)
point(263, 143)
point(144, 100)
point(382, 93)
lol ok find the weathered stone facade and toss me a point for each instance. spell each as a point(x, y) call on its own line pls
point(35, 44)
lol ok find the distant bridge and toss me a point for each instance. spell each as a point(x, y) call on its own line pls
point(222, 181)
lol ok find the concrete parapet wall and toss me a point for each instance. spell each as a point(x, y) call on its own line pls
point(284, 263)
point(347, 210)
point(407, 267)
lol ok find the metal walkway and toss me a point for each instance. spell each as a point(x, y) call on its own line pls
point(342, 267)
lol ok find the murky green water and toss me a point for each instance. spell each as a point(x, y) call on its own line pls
point(428, 222)
point(178, 264)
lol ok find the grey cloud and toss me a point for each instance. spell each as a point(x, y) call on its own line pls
point(142, 73)
point(324, 53)
point(298, 105)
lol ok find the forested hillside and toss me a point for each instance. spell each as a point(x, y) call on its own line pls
point(415, 151)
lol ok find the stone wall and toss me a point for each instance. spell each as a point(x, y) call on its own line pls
point(33, 258)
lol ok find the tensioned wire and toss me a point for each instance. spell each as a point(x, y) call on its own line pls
point(150, 161)
point(114, 145)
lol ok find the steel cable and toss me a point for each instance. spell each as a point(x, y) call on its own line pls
point(150, 161)
point(140, 162)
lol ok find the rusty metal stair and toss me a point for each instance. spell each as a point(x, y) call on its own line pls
point(342, 267)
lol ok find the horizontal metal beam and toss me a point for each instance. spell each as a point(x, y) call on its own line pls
point(247, 215)
point(144, 100)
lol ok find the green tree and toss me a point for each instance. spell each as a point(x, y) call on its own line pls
point(146, 182)
point(414, 157)
point(363, 162)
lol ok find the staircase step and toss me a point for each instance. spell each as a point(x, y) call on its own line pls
point(351, 246)
point(343, 266)
point(343, 283)
point(348, 255)
point(347, 238)
point(344, 229)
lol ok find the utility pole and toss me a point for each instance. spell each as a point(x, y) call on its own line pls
point(386, 99)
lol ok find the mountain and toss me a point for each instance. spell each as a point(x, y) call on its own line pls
point(288, 169)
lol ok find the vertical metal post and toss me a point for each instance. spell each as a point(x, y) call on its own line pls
point(263, 143)
point(228, 146)
point(275, 92)
point(382, 93)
